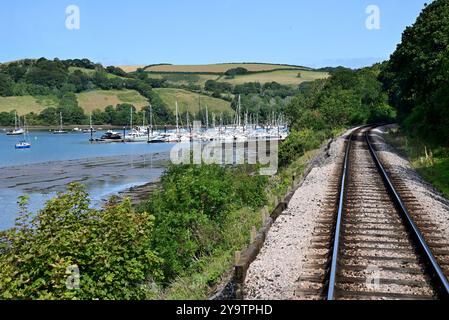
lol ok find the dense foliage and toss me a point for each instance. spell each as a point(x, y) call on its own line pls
point(236, 72)
point(347, 98)
point(56, 79)
point(110, 248)
point(192, 207)
point(417, 75)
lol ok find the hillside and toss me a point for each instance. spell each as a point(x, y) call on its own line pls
point(96, 99)
point(27, 104)
point(285, 77)
point(189, 101)
point(99, 99)
point(199, 74)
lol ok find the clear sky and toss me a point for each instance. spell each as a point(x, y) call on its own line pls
point(304, 32)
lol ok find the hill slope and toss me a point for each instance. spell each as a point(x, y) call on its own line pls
point(259, 72)
point(96, 99)
point(99, 99)
point(189, 101)
point(27, 104)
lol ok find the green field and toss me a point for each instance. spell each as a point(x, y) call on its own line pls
point(189, 101)
point(99, 99)
point(27, 104)
point(285, 77)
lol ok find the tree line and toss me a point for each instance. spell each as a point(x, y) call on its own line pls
point(416, 77)
point(53, 78)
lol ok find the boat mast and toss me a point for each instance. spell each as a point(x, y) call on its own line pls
point(177, 118)
point(131, 118)
point(60, 121)
point(25, 127)
point(207, 119)
point(151, 119)
point(238, 111)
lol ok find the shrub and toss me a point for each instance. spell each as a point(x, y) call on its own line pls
point(110, 247)
point(299, 142)
point(193, 206)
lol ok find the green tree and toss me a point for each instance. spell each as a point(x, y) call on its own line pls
point(6, 85)
point(417, 75)
point(70, 109)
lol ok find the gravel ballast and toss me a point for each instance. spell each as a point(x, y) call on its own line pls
point(274, 274)
point(432, 202)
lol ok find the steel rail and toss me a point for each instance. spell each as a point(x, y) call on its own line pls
point(341, 200)
point(430, 260)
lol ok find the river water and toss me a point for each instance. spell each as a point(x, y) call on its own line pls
point(56, 160)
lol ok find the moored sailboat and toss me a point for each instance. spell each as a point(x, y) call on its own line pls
point(24, 144)
point(17, 129)
point(61, 130)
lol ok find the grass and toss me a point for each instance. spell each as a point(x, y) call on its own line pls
point(99, 99)
point(27, 104)
point(96, 99)
point(431, 162)
point(189, 101)
point(285, 77)
point(219, 68)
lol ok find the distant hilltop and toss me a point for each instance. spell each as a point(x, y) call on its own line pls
point(213, 68)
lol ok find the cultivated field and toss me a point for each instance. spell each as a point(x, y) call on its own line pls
point(130, 68)
point(285, 77)
point(218, 68)
point(99, 99)
point(27, 104)
point(189, 101)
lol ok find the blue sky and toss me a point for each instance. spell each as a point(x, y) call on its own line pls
point(305, 32)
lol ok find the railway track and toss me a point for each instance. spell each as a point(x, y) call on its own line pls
point(374, 241)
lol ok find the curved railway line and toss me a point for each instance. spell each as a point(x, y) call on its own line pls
point(374, 240)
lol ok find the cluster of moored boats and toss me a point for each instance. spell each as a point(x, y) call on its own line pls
point(219, 134)
point(239, 131)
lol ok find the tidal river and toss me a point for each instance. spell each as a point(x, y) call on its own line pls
point(56, 160)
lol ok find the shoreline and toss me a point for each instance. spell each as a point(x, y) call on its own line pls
point(124, 176)
point(99, 127)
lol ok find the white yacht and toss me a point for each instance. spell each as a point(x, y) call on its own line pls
point(60, 130)
point(17, 129)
